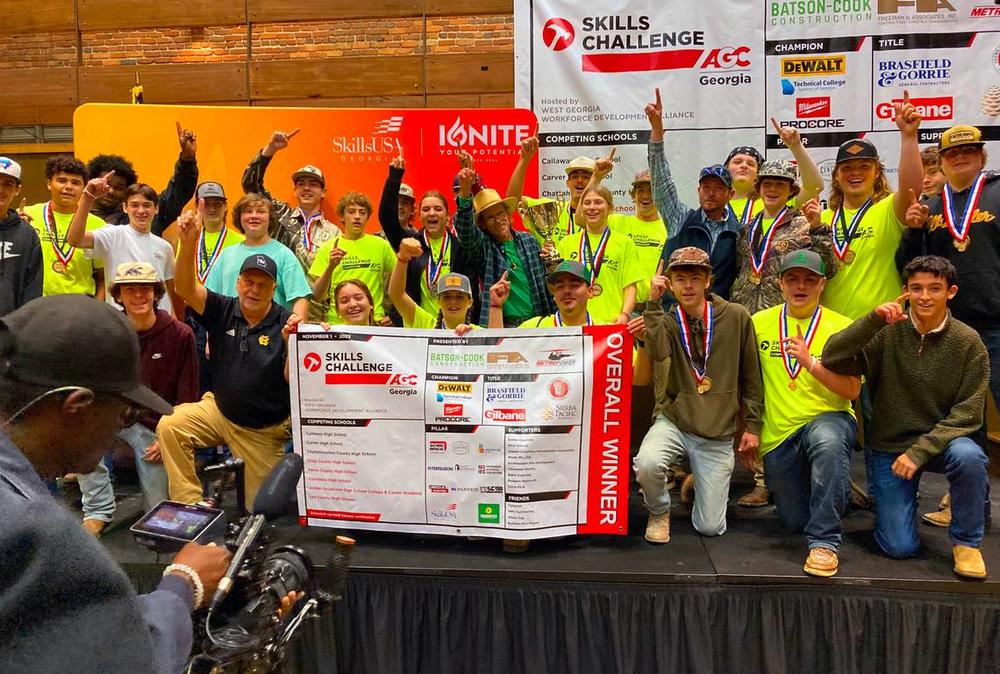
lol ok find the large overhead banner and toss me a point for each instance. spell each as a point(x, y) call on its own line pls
point(516, 434)
point(831, 68)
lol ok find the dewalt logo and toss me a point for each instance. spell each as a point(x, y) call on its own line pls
point(815, 66)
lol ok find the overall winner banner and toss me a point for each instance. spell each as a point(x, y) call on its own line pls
point(509, 434)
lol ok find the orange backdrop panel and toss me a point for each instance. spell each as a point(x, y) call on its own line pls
point(353, 147)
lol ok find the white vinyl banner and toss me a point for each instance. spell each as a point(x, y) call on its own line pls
point(831, 68)
point(515, 434)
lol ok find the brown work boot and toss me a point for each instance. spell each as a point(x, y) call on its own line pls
point(687, 489)
point(514, 546)
point(658, 528)
point(94, 527)
point(821, 562)
point(938, 518)
point(969, 562)
point(758, 497)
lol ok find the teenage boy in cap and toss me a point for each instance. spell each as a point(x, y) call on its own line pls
point(21, 254)
point(121, 175)
point(960, 224)
point(809, 426)
point(135, 243)
point(353, 255)
point(253, 215)
point(302, 228)
point(744, 163)
point(248, 406)
point(712, 226)
point(62, 595)
point(169, 368)
point(934, 178)
point(708, 351)
point(64, 271)
point(867, 219)
point(928, 375)
point(569, 285)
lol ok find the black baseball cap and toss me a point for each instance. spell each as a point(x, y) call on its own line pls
point(75, 340)
point(858, 148)
point(262, 263)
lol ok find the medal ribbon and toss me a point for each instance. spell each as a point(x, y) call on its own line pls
point(792, 366)
point(559, 321)
point(960, 229)
point(747, 211)
point(433, 270)
point(307, 240)
point(840, 246)
point(594, 261)
point(758, 258)
point(206, 261)
point(699, 373)
point(50, 224)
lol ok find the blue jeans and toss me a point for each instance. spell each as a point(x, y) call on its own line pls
point(98, 494)
point(807, 475)
point(964, 463)
point(711, 464)
point(991, 338)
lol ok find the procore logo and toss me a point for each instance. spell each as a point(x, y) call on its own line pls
point(558, 34)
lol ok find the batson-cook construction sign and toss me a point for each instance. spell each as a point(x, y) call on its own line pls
point(511, 434)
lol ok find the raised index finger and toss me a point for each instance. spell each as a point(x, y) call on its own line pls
point(503, 277)
point(659, 268)
point(180, 129)
point(291, 134)
point(612, 155)
point(798, 331)
point(777, 126)
point(902, 298)
point(659, 103)
point(913, 197)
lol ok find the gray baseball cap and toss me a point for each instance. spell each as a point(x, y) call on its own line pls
point(210, 190)
point(459, 282)
point(803, 259)
point(9, 167)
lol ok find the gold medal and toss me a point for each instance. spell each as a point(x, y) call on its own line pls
point(704, 386)
point(59, 267)
point(962, 245)
point(850, 256)
point(792, 385)
point(598, 290)
point(755, 278)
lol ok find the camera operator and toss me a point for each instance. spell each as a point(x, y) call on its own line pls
point(69, 381)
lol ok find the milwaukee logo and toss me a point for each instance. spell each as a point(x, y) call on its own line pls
point(817, 106)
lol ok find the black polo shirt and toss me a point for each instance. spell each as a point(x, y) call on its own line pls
point(248, 364)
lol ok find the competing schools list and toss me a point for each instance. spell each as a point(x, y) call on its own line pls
point(490, 434)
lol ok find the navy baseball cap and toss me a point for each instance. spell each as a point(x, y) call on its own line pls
point(261, 263)
point(717, 171)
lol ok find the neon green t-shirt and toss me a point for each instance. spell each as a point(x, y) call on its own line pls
point(544, 322)
point(519, 301)
point(369, 259)
point(78, 275)
point(429, 301)
point(739, 204)
point(424, 320)
point(619, 270)
point(871, 277)
point(649, 239)
point(786, 410)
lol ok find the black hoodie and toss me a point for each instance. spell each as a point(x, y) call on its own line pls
point(20, 263)
point(977, 303)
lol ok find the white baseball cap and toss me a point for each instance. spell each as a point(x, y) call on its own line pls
point(9, 167)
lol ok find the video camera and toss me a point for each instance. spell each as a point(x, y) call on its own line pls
point(241, 630)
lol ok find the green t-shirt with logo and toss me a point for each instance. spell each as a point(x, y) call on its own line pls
point(871, 278)
point(369, 259)
point(649, 238)
point(519, 302)
point(788, 410)
point(620, 269)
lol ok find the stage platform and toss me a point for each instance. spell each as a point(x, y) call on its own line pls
point(739, 602)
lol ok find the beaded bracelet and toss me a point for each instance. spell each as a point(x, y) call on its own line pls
point(199, 588)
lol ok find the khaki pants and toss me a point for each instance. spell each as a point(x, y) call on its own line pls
point(202, 424)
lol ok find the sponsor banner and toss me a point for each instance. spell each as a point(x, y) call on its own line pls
point(831, 68)
point(353, 147)
point(514, 434)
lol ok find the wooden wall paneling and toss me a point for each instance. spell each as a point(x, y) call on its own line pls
point(35, 16)
point(31, 115)
point(505, 100)
point(277, 11)
point(453, 101)
point(167, 83)
point(129, 14)
point(486, 73)
point(464, 7)
point(347, 102)
point(414, 101)
point(336, 77)
point(45, 86)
